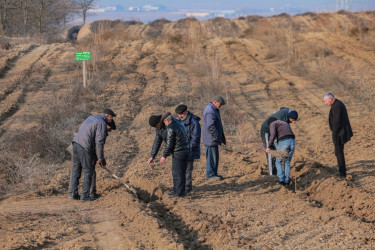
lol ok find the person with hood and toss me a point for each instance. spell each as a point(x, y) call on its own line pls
point(177, 145)
point(193, 129)
point(88, 149)
point(157, 122)
point(339, 125)
point(286, 144)
point(213, 136)
point(284, 114)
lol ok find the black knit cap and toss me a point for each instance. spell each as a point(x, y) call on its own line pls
point(181, 108)
point(154, 120)
point(293, 115)
point(109, 112)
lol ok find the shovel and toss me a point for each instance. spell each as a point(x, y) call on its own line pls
point(130, 188)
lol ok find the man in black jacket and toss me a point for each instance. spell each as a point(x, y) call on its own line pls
point(340, 127)
point(177, 145)
point(193, 129)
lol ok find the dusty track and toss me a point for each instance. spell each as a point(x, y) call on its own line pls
point(248, 209)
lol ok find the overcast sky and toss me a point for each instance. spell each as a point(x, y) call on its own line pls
point(312, 5)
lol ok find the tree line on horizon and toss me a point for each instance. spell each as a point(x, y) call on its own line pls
point(29, 17)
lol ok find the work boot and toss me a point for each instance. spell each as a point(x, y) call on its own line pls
point(96, 196)
point(87, 198)
point(75, 196)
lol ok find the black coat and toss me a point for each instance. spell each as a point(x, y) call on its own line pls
point(177, 139)
point(339, 123)
point(160, 136)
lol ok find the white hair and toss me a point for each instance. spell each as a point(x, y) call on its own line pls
point(329, 95)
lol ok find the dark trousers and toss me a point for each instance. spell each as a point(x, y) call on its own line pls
point(339, 152)
point(212, 160)
point(189, 175)
point(179, 165)
point(82, 161)
point(263, 134)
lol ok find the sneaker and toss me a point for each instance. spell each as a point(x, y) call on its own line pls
point(217, 178)
point(87, 199)
point(75, 197)
point(96, 196)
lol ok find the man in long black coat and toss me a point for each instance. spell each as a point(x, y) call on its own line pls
point(340, 128)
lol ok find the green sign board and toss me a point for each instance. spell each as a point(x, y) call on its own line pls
point(83, 56)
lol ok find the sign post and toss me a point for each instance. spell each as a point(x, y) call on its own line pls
point(83, 56)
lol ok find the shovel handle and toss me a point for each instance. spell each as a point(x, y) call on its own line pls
point(131, 189)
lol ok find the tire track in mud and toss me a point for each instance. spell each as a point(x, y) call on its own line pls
point(14, 93)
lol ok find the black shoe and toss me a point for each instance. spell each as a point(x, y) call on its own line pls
point(187, 191)
point(87, 199)
point(96, 196)
point(75, 197)
point(220, 176)
point(176, 196)
point(170, 193)
point(281, 183)
point(286, 183)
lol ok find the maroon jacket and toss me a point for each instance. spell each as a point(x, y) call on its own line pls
point(280, 130)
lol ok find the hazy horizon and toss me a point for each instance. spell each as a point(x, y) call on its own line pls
point(317, 5)
point(175, 10)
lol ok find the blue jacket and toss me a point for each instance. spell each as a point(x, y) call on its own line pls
point(92, 134)
point(193, 129)
point(212, 133)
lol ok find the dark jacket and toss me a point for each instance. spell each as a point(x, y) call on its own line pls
point(177, 140)
point(160, 136)
point(281, 115)
point(339, 123)
point(193, 129)
point(280, 130)
point(212, 133)
point(92, 134)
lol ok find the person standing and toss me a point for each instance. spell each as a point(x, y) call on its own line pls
point(157, 122)
point(286, 143)
point(177, 145)
point(340, 127)
point(284, 114)
point(193, 129)
point(93, 192)
point(213, 136)
point(88, 149)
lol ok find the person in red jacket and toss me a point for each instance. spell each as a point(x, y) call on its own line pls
point(340, 127)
